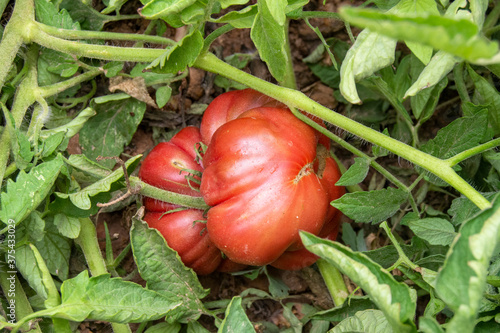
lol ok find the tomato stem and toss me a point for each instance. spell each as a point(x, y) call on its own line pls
point(334, 281)
point(170, 197)
point(296, 99)
point(90, 247)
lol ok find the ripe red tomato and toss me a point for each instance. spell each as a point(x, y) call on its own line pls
point(229, 106)
point(166, 167)
point(261, 179)
point(190, 239)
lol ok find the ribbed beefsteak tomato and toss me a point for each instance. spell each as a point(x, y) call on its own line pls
point(264, 179)
point(166, 167)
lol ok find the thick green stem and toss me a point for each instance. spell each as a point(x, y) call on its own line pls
point(171, 197)
point(25, 96)
point(14, 293)
point(289, 77)
point(403, 259)
point(296, 99)
point(104, 52)
point(454, 160)
point(59, 87)
point(12, 37)
point(90, 247)
point(458, 73)
point(84, 34)
point(334, 281)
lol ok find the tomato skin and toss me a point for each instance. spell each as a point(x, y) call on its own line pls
point(163, 168)
point(295, 260)
point(231, 105)
point(259, 178)
point(190, 240)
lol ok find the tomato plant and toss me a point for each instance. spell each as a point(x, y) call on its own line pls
point(409, 99)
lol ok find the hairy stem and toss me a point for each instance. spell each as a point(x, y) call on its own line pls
point(12, 37)
point(102, 35)
point(25, 96)
point(454, 160)
point(171, 197)
point(296, 99)
point(88, 242)
point(334, 281)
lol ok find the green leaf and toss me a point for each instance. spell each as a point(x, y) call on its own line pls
point(111, 129)
point(429, 325)
point(35, 225)
point(242, 19)
point(424, 103)
point(21, 147)
point(458, 37)
point(373, 206)
point(417, 8)
point(82, 163)
point(461, 134)
point(196, 327)
point(462, 209)
point(53, 298)
point(179, 56)
point(436, 231)
point(439, 66)
point(27, 266)
point(165, 273)
point(56, 249)
point(236, 320)
point(369, 53)
point(348, 309)
point(277, 10)
point(486, 94)
point(349, 237)
point(72, 127)
point(379, 151)
point(51, 143)
point(113, 5)
point(462, 279)
point(163, 95)
point(386, 256)
point(295, 323)
point(356, 172)
point(367, 321)
point(277, 287)
point(47, 13)
point(29, 190)
point(478, 9)
point(396, 300)
point(164, 328)
point(269, 37)
point(88, 17)
point(68, 226)
point(226, 3)
point(155, 9)
point(109, 299)
point(82, 198)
